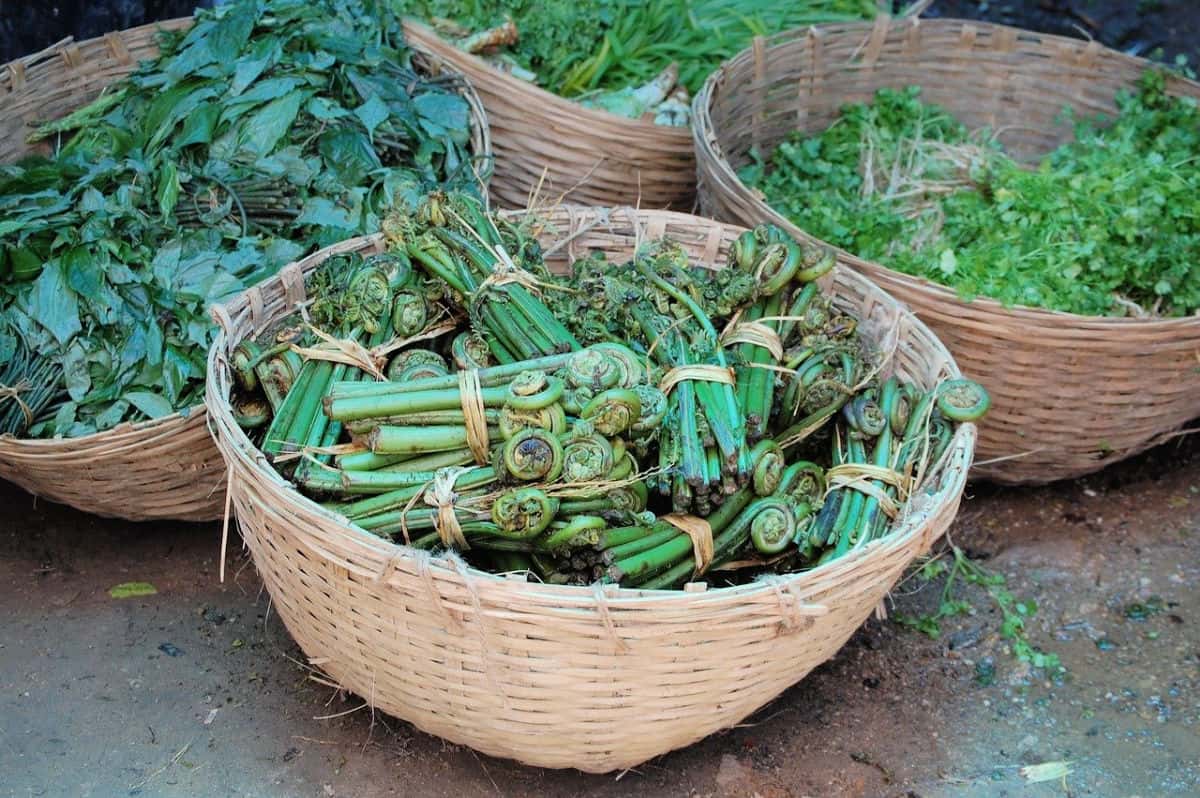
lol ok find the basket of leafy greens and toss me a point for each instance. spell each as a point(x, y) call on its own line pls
point(1031, 197)
point(135, 195)
point(589, 100)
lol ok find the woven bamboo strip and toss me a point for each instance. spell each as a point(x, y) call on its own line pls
point(590, 678)
point(1070, 393)
point(169, 467)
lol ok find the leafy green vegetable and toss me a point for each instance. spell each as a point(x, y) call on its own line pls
point(264, 131)
point(1107, 224)
point(577, 47)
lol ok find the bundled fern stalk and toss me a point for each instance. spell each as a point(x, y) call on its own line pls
point(648, 423)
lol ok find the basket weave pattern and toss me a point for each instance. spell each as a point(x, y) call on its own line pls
point(1070, 393)
point(558, 676)
point(169, 467)
point(565, 152)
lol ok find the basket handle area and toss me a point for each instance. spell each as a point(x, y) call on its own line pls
point(220, 315)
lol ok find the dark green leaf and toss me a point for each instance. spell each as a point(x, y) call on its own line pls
point(64, 418)
point(323, 213)
point(325, 110)
point(263, 54)
point(53, 303)
point(149, 404)
point(443, 114)
point(177, 369)
point(232, 30)
point(349, 154)
point(372, 113)
point(113, 415)
point(168, 189)
point(85, 271)
point(199, 126)
point(134, 351)
point(267, 90)
point(262, 131)
point(75, 372)
point(189, 62)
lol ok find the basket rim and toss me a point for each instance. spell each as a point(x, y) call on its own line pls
point(29, 448)
point(709, 148)
point(48, 52)
point(235, 444)
point(33, 447)
point(550, 103)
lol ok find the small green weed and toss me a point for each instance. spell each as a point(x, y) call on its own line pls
point(1014, 611)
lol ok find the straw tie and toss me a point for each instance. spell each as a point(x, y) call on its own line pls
point(707, 373)
point(757, 334)
point(700, 531)
point(14, 392)
point(440, 494)
point(506, 271)
point(859, 476)
point(470, 396)
point(338, 350)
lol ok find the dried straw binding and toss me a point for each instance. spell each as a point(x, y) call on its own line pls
point(166, 468)
point(1070, 393)
point(553, 147)
point(557, 676)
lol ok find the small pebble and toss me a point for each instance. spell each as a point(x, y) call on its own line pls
point(170, 649)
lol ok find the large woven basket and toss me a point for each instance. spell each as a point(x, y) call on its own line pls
point(557, 676)
point(560, 150)
point(1071, 393)
point(169, 467)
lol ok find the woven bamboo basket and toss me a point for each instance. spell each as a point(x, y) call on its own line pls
point(554, 147)
point(1070, 393)
point(557, 676)
point(169, 467)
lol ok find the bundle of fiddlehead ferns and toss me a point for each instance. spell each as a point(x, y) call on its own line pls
point(644, 423)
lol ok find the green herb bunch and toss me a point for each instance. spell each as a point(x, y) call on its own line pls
point(585, 45)
point(264, 131)
point(1106, 224)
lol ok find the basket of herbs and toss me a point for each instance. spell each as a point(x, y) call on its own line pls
point(590, 101)
point(1030, 197)
point(575, 486)
point(154, 171)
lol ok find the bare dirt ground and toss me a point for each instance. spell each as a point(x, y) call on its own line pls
point(198, 690)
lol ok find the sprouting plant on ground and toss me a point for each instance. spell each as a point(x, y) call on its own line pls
point(1014, 610)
